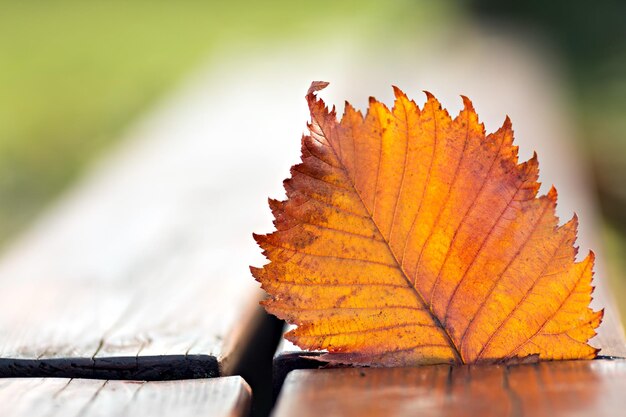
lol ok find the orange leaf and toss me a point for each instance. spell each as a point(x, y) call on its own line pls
point(409, 237)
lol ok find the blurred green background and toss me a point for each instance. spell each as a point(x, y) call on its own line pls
point(591, 37)
point(75, 74)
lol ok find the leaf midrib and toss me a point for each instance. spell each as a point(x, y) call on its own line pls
point(418, 295)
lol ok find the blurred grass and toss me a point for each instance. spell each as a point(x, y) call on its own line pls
point(73, 74)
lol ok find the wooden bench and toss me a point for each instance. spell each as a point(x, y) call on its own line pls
point(133, 274)
point(582, 388)
point(219, 397)
point(140, 273)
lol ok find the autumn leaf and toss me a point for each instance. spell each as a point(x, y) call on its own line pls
point(408, 237)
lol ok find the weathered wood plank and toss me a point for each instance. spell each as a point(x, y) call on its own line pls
point(34, 397)
point(141, 271)
point(568, 388)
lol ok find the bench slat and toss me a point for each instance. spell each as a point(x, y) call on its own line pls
point(584, 388)
point(142, 267)
point(50, 397)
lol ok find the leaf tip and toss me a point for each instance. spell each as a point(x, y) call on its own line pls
point(535, 157)
point(398, 93)
point(591, 256)
point(432, 100)
point(553, 194)
point(467, 103)
point(258, 238)
point(429, 95)
point(595, 352)
point(316, 86)
point(572, 224)
point(255, 271)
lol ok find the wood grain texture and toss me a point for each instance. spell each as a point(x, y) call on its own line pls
point(50, 397)
point(567, 388)
point(142, 263)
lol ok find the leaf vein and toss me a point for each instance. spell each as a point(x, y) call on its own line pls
point(504, 271)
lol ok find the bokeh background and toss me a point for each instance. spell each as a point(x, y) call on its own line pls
point(74, 75)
